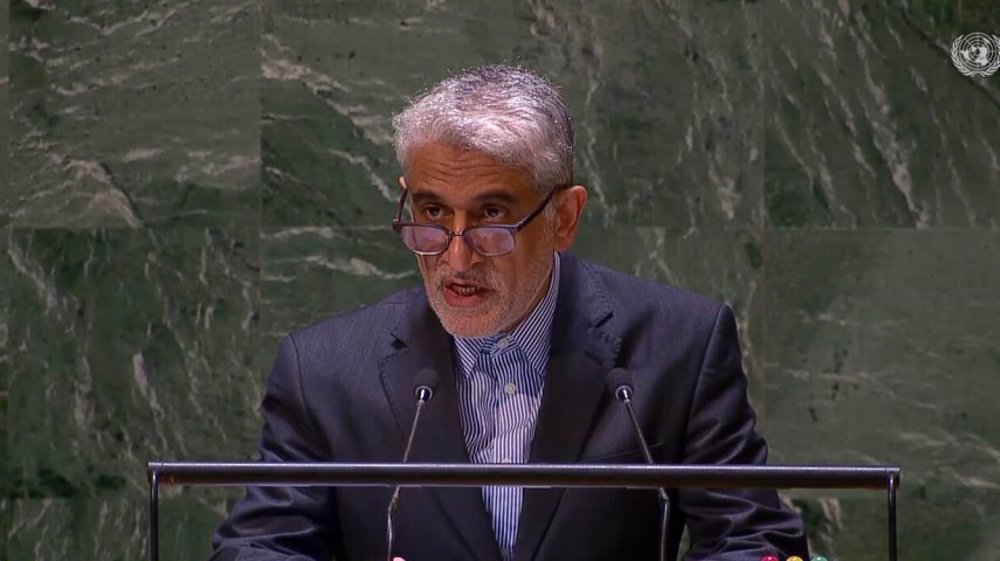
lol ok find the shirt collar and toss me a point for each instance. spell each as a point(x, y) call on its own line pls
point(532, 335)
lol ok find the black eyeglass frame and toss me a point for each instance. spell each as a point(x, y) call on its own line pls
point(398, 224)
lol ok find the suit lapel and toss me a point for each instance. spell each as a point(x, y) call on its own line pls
point(420, 342)
point(581, 354)
point(580, 357)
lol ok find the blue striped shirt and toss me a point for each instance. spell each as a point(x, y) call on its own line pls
point(500, 389)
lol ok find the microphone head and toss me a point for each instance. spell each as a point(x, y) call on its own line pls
point(620, 384)
point(425, 384)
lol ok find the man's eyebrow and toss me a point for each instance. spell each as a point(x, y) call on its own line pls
point(497, 195)
point(424, 197)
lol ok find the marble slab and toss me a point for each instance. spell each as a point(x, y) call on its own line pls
point(111, 528)
point(313, 273)
point(880, 347)
point(130, 346)
point(869, 124)
point(132, 115)
point(5, 374)
point(5, 137)
point(5, 362)
point(668, 121)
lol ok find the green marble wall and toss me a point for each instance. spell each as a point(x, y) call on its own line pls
point(185, 181)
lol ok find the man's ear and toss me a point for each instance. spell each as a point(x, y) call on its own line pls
point(569, 208)
point(402, 182)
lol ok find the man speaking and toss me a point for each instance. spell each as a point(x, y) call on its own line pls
point(517, 338)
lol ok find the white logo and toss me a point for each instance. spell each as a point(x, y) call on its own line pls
point(976, 54)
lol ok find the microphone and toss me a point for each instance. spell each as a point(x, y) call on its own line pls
point(620, 386)
point(426, 382)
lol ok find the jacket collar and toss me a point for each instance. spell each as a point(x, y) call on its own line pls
point(581, 354)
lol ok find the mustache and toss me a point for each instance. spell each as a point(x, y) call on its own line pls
point(487, 279)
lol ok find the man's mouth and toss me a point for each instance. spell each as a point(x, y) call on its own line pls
point(463, 294)
point(464, 289)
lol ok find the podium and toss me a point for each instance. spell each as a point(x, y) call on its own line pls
point(644, 476)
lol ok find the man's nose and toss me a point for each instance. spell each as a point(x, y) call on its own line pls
point(459, 256)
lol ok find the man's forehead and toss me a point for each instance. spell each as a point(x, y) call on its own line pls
point(442, 157)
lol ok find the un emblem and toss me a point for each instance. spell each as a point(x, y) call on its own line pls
point(976, 54)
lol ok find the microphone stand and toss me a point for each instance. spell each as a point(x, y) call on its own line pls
point(424, 394)
point(624, 394)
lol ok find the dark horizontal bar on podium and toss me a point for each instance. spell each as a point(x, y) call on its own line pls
point(523, 475)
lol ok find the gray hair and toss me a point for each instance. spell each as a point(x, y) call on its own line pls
point(511, 114)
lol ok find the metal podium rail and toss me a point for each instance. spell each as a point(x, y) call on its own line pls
point(521, 475)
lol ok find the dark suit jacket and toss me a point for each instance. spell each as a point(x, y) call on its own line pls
point(342, 390)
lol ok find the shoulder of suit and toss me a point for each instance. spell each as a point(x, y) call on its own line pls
point(366, 322)
point(626, 292)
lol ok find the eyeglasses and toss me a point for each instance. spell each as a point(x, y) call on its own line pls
point(491, 240)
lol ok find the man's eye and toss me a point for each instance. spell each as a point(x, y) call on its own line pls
point(432, 212)
point(493, 213)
